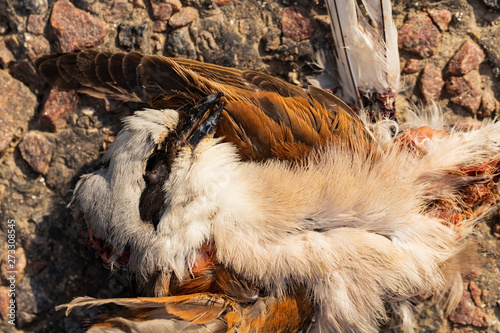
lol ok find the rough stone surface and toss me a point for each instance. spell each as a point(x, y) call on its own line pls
point(489, 104)
point(430, 83)
point(441, 18)
point(473, 79)
point(16, 109)
point(470, 100)
point(467, 313)
point(179, 42)
point(273, 39)
point(456, 85)
point(468, 57)
point(36, 150)
point(413, 66)
point(489, 41)
point(120, 9)
point(296, 23)
point(36, 24)
point(475, 293)
point(74, 28)
point(183, 17)
point(419, 35)
point(58, 105)
point(40, 46)
point(161, 10)
point(134, 37)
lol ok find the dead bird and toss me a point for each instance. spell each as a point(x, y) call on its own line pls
point(247, 204)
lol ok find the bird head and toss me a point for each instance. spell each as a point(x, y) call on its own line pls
point(163, 164)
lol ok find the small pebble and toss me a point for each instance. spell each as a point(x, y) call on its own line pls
point(296, 23)
point(430, 83)
point(468, 57)
point(440, 17)
point(419, 35)
point(470, 100)
point(36, 150)
point(183, 17)
point(413, 66)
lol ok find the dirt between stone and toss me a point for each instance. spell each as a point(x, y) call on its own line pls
point(49, 139)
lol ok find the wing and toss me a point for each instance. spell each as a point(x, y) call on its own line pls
point(214, 302)
point(264, 117)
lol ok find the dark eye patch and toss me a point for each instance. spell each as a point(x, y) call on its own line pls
point(152, 201)
point(155, 175)
point(158, 166)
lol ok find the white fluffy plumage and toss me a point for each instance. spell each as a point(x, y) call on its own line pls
point(351, 227)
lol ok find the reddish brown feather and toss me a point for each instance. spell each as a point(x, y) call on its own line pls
point(264, 116)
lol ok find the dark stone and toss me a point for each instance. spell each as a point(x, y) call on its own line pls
point(23, 70)
point(134, 37)
point(179, 43)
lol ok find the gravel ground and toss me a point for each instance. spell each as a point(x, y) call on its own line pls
point(48, 139)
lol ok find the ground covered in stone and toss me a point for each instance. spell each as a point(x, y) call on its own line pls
point(450, 55)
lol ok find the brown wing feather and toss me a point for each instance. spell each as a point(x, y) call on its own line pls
point(264, 117)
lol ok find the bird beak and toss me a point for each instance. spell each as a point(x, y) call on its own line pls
point(205, 118)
